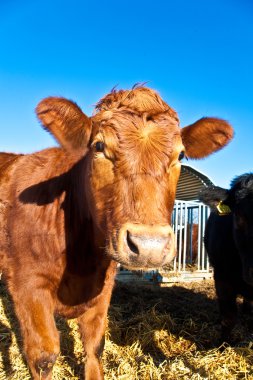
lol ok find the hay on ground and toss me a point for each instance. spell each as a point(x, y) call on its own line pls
point(167, 333)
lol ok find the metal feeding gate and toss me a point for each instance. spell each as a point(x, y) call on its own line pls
point(189, 220)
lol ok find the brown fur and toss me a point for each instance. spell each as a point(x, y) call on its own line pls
point(69, 214)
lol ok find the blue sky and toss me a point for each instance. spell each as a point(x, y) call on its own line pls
point(198, 54)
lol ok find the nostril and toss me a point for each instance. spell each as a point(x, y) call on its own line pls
point(133, 247)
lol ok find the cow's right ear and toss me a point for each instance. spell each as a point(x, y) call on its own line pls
point(212, 196)
point(66, 122)
point(206, 136)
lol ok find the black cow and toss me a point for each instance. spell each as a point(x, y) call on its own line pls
point(229, 243)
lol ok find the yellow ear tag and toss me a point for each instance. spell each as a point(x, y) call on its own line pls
point(223, 209)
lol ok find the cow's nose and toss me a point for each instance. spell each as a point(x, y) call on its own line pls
point(144, 245)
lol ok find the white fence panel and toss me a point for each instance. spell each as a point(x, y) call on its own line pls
point(189, 220)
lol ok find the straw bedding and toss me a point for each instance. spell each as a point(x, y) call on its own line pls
point(156, 333)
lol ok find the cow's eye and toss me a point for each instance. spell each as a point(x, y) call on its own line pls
point(181, 155)
point(99, 146)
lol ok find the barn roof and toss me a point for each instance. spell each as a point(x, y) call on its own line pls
point(190, 183)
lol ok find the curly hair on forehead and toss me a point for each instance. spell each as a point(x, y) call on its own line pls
point(139, 99)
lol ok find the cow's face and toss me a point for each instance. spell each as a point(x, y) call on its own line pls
point(134, 165)
point(239, 200)
point(132, 168)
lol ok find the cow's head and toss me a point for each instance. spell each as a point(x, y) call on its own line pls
point(238, 202)
point(133, 146)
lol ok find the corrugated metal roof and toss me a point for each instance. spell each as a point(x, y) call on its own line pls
point(190, 183)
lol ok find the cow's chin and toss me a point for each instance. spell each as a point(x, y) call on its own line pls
point(142, 268)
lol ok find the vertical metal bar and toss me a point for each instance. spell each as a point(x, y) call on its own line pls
point(176, 236)
point(173, 226)
point(180, 238)
point(199, 234)
point(204, 254)
point(202, 233)
point(185, 236)
point(190, 244)
point(207, 213)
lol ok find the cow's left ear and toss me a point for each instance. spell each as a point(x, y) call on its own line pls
point(206, 136)
point(66, 122)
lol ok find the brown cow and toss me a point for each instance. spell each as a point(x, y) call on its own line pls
point(70, 214)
